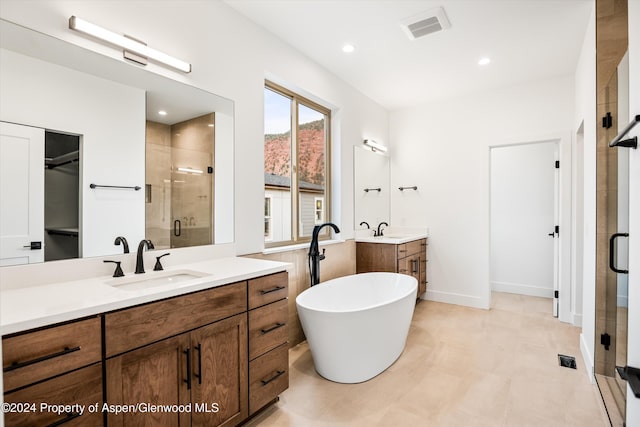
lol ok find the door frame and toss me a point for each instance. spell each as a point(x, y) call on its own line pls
point(563, 140)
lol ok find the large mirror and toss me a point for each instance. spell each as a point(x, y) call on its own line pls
point(371, 187)
point(128, 170)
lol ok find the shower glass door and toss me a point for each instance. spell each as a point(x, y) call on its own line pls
point(612, 301)
point(180, 182)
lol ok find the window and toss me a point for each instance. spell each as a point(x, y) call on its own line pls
point(267, 218)
point(296, 165)
point(319, 210)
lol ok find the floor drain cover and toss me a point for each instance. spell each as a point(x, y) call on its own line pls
point(567, 361)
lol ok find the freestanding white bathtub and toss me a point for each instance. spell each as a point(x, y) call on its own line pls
point(357, 326)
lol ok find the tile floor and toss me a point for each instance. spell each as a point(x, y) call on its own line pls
point(461, 367)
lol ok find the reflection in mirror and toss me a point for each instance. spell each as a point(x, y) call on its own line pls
point(371, 187)
point(179, 182)
point(52, 87)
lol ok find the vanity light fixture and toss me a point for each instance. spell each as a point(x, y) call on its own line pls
point(127, 43)
point(190, 170)
point(374, 145)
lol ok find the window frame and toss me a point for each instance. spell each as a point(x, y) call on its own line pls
point(296, 214)
point(269, 200)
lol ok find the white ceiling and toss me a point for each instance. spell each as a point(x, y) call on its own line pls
point(526, 40)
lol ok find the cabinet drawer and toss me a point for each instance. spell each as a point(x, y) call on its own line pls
point(411, 248)
point(134, 327)
point(80, 388)
point(42, 354)
point(268, 327)
point(268, 377)
point(267, 289)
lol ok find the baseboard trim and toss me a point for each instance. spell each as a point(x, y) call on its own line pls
point(588, 360)
point(577, 320)
point(518, 288)
point(457, 299)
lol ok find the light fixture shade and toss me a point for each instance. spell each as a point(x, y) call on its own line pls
point(375, 145)
point(85, 27)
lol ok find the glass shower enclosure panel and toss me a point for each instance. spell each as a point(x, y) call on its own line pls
point(191, 198)
point(612, 300)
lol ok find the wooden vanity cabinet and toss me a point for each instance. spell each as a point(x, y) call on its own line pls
point(268, 337)
point(222, 353)
point(406, 258)
point(205, 368)
point(56, 365)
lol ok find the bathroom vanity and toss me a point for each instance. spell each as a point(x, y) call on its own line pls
point(213, 347)
point(397, 252)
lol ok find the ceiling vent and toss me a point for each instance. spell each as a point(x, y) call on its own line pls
point(428, 22)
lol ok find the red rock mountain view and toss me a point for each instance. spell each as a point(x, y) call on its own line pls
point(277, 152)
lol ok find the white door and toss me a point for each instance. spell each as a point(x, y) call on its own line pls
point(523, 219)
point(21, 194)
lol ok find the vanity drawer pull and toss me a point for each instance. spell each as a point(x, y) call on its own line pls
point(70, 416)
point(268, 291)
point(273, 378)
point(18, 365)
point(187, 352)
point(273, 328)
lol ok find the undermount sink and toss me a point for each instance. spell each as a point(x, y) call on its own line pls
point(395, 235)
point(154, 279)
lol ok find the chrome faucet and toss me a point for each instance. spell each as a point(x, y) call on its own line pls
point(380, 231)
point(139, 260)
point(314, 253)
point(122, 240)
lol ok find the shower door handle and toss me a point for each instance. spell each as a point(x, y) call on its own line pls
point(177, 228)
point(612, 244)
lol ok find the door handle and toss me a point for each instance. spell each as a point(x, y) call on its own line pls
point(34, 246)
point(551, 234)
point(612, 241)
point(177, 228)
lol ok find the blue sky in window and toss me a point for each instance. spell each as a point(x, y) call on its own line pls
point(277, 113)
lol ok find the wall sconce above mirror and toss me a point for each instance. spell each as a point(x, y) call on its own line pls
point(141, 52)
point(375, 146)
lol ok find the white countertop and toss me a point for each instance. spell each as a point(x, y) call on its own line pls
point(392, 235)
point(36, 306)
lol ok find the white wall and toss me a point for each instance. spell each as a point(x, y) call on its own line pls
point(443, 148)
point(633, 350)
point(110, 119)
point(230, 57)
point(522, 216)
point(585, 119)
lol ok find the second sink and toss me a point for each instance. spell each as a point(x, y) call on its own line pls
point(155, 279)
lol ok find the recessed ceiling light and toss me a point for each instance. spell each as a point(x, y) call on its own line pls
point(348, 48)
point(162, 113)
point(484, 61)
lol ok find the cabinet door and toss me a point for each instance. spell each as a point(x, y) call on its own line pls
point(410, 266)
point(78, 389)
point(219, 371)
point(156, 374)
point(422, 282)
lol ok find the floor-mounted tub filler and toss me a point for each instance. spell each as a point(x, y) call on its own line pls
point(357, 326)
